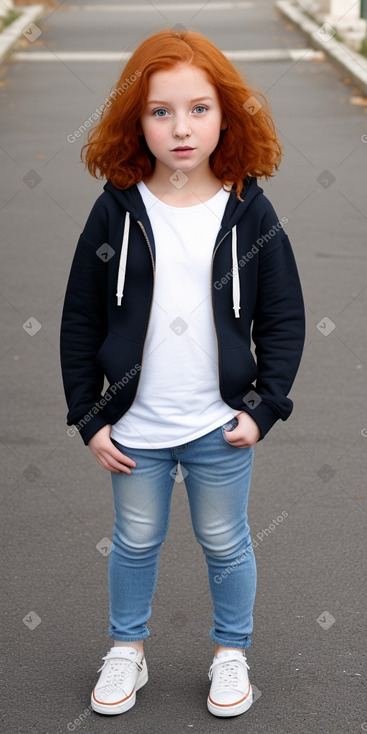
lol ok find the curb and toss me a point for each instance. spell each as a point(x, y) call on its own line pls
point(11, 35)
point(351, 62)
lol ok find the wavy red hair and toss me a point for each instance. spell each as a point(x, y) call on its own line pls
point(247, 147)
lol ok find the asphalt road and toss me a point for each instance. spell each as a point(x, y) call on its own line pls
point(308, 654)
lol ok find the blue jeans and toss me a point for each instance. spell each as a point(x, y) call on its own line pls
point(217, 478)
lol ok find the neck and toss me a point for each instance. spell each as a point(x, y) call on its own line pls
point(198, 186)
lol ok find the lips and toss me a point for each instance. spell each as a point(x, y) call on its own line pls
point(185, 147)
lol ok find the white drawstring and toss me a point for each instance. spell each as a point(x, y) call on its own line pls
point(123, 257)
point(235, 277)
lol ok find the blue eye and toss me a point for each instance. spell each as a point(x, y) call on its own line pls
point(200, 107)
point(157, 113)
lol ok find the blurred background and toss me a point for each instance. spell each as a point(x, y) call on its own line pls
point(58, 64)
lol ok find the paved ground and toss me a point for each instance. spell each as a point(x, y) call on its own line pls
point(308, 653)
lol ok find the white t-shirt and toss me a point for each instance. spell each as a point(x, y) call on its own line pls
point(178, 396)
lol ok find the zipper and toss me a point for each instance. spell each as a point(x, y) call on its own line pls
point(141, 225)
point(150, 310)
point(211, 297)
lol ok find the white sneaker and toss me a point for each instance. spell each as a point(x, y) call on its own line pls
point(123, 673)
point(230, 692)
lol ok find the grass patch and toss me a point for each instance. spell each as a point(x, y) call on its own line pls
point(9, 18)
point(363, 49)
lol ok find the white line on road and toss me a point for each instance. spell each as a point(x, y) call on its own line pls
point(70, 56)
point(168, 7)
point(275, 54)
point(292, 54)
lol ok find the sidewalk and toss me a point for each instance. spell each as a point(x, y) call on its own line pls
point(24, 26)
point(322, 37)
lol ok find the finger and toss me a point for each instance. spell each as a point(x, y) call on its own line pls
point(120, 457)
point(115, 469)
point(232, 436)
point(241, 443)
point(107, 462)
point(123, 470)
point(110, 455)
point(102, 462)
point(116, 465)
point(121, 461)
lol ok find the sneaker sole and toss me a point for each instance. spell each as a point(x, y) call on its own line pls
point(230, 709)
point(111, 709)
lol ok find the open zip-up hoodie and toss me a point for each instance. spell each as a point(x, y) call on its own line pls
point(255, 292)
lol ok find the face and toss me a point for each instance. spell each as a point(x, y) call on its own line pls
point(182, 120)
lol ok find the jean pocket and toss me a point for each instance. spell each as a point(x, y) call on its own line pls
point(229, 426)
point(119, 446)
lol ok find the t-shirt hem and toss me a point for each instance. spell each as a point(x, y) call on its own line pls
point(176, 442)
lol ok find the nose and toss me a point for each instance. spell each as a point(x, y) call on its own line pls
point(181, 127)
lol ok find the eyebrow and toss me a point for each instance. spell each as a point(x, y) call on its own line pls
point(198, 99)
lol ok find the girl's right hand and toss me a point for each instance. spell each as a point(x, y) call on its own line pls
point(106, 453)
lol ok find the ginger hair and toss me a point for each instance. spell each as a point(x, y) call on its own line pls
point(248, 147)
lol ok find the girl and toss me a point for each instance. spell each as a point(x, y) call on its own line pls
point(181, 261)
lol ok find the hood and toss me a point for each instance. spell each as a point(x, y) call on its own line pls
point(133, 204)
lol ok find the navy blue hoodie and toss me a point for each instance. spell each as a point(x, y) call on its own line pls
point(255, 292)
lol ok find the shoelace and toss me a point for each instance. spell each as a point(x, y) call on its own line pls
point(228, 675)
point(119, 669)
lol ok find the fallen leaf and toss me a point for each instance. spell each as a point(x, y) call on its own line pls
point(360, 101)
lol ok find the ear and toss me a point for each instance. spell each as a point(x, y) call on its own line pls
point(139, 129)
point(224, 124)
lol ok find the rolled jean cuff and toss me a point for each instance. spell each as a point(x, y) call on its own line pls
point(229, 643)
point(129, 638)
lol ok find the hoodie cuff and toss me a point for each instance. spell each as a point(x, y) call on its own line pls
point(264, 416)
point(95, 424)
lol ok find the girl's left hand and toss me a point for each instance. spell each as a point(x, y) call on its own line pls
point(246, 434)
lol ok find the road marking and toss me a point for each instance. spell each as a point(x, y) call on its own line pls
point(70, 56)
point(275, 54)
point(295, 54)
point(161, 7)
